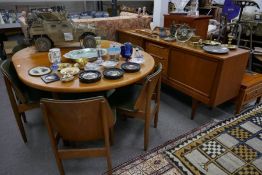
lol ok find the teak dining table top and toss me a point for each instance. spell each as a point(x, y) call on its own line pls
point(29, 57)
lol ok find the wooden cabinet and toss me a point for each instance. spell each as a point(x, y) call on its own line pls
point(251, 89)
point(160, 54)
point(208, 78)
point(200, 23)
point(122, 38)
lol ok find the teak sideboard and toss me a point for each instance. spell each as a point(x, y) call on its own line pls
point(208, 78)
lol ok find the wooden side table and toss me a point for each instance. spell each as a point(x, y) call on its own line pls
point(251, 89)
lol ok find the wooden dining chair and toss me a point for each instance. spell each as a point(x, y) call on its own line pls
point(22, 97)
point(136, 101)
point(79, 121)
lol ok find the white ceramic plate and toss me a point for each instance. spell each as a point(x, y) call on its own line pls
point(216, 49)
point(39, 71)
point(137, 60)
point(109, 64)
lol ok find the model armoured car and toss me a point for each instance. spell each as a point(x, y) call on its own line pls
point(49, 29)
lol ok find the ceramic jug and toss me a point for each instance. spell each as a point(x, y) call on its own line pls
point(126, 50)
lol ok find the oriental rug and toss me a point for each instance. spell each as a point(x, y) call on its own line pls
point(233, 146)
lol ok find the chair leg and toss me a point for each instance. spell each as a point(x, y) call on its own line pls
point(60, 165)
point(111, 136)
point(24, 117)
point(109, 164)
point(20, 126)
point(156, 118)
point(146, 134)
point(108, 155)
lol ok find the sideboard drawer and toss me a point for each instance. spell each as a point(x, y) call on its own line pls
point(255, 92)
point(128, 38)
point(157, 50)
point(164, 63)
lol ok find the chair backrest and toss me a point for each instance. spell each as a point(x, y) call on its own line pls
point(12, 81)
point(78, 120)
point(151, 85)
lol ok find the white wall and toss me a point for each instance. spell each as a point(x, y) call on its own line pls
point(160, 8)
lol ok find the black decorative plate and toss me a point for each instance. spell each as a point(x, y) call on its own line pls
point(39, 71)
point(130, 67)
point(89, 76)
point(113, 73)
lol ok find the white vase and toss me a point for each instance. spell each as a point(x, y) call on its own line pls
point(180, 5)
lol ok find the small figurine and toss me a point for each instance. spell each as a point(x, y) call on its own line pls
point(144, 11)
point(22, 20)
point(139, 11)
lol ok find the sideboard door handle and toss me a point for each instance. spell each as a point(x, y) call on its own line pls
point(156, 56)
point(155, 45)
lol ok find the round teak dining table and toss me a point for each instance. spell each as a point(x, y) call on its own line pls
point(29, 57)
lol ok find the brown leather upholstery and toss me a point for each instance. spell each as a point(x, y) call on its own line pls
point(78, 121)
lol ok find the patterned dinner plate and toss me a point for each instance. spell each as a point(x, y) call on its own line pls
point(89, 76)
point(113, 73)
point(130, 67)
point(39, 71)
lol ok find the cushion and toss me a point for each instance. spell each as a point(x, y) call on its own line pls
point(125, 98)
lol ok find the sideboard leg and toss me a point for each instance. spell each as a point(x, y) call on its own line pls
point(194, 107)
point(258, 100)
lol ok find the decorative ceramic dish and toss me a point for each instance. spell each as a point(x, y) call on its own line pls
point(91, 66)
point(169, 39)
point(89, 76)
point(50, 78)
point(139, 60)
point(230, 47)
point(39, 71)
point(67, 78)
point(109, 64)
point(211, 43)
point(64, 65)
point(113, 73)
point(87, 53)
point(130, 67)
point(216, 49)
point(70, 70)
point(184, 33)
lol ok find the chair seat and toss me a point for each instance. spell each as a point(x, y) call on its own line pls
point(34, 95)
point(125, 97)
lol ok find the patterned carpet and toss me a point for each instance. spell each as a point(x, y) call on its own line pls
point(233, 146)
